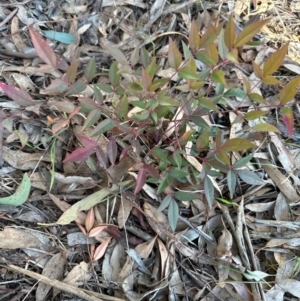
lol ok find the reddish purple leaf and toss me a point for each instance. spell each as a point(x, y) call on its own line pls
point(87, 141)
point(43, 50)
point(21, 97)
point(288, 120)
point(79, 155)
point(140, 181)
point(152, 171)
point(112, 151)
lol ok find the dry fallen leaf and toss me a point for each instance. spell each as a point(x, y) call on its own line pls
point(11, 238)
point(79, 275)
point(224, 245)
point(54, 270)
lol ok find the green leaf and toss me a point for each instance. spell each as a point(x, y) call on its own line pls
point(223, 50)
point(114, 76)
point(218, 77)
point(265, 127)
point(103, 87)
point(250, 177)
point(231, 181)
point(210, 35)
point(165, 203)
point(229, 34)
point(102, 127)
point(76, 88)
point(160, 154)
point(288, 92)
point(257, 70)
point(186, 73)
point(200, 122)
point(62, 37)
point(249, 32)
point(121, 109)
point(164, 183)
point(255, 114)
point(177, 158)
point(173, 213)
point(90, 70)
point(204, 57)
point(141, 116)
point(203, 140)
point(85, 204)
point(152, 68)
point(174, 55)
point(222, 156)
point(270, 80)
point(21, 194)
point(256, 97)
point(243, 161)
point(178, 174)
point(194, 38)
point(92, 118)
point(209, 191)
point(237, 144)
point(185, 196)
point(275, 60)
point(237, 92)
point(167, 101)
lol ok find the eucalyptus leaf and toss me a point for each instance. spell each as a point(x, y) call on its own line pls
point(21, 194)
point(250, 177)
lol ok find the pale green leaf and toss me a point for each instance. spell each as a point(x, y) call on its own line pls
point(21, 194)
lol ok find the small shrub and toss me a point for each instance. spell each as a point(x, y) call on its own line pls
point(164, 113)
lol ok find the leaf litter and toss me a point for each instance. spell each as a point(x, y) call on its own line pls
point(195, 247)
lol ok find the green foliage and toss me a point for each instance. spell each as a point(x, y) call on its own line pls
point(167, 123)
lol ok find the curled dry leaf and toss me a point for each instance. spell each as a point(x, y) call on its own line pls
point(224, 245)
point(54, 270)
point(157, 220)
point(79, 275)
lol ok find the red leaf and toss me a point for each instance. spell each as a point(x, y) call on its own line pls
point(152, 171)
point(95, 231)
point(21, 97)
point(288, 120)
point(99, 252)
point(43, 50)
point(112, 151)
point(87, 141)
point(140, 181)
point(79, 155)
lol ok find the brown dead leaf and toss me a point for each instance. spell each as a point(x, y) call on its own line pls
point(224, 245)
point(280, 258)
point(22, 160)
point(11, 238)
point(79, 275)
point(282, 208)
point(164, 254)
point(157, 220)
point(124, 212)
point(54, 270)
point(145, 249)
point(281, 181)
